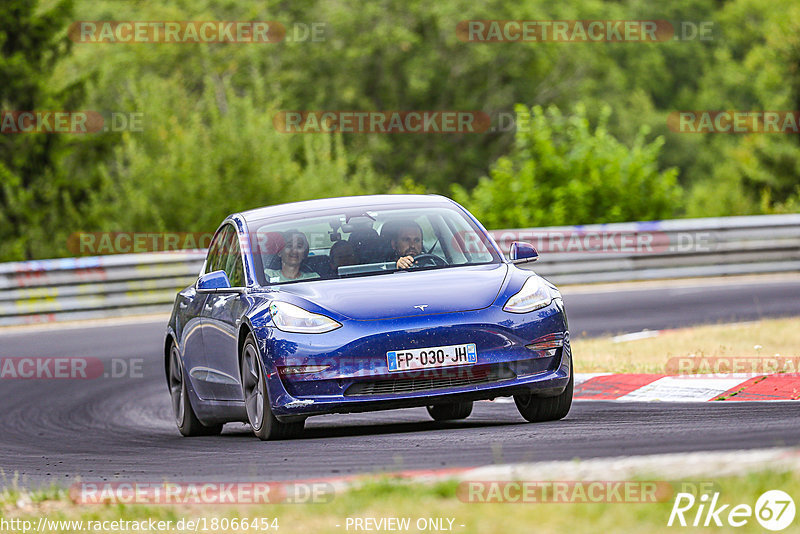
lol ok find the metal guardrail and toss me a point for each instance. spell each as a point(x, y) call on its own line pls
point(125, 284)
point(680, 248)
point(99, 286)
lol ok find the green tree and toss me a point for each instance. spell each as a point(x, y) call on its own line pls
point(757, 68)
point(197, 160)
point(35, 197)
point(563, 171)
point(407, 55)
point(208, 144)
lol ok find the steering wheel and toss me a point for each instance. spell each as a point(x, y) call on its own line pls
point(429, 259)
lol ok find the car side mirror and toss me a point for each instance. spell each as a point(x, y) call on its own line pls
point(213, 280)
point(522, 252)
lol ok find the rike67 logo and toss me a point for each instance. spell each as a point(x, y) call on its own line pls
point(774, 510)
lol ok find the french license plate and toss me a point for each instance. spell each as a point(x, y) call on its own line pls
point(410, 359)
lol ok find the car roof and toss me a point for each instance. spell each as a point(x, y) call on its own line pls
point(307, 206)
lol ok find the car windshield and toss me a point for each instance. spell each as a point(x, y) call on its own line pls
point(364, 242)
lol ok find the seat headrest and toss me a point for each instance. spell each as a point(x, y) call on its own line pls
point(268, 243)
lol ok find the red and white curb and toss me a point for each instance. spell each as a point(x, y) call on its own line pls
point(686, 388)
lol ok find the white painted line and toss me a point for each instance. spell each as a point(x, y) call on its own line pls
point(580, 378)
point(681, 283)
point(633, 336)
point(87, 323)
point(683, 389)
point(717, 376)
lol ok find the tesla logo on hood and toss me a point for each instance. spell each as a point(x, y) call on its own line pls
point(421, 307)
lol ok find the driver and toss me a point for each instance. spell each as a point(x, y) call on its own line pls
point(407, 243)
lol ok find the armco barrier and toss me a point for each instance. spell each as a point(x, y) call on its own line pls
point(125, 284)
point(677, 248)
point(99, 286)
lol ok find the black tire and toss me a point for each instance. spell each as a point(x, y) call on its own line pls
point(187, 421)
point(256, 398)
point(450, 411)
point(539, 409)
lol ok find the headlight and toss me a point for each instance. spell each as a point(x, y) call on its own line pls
point(534, 294)
point(291, 318)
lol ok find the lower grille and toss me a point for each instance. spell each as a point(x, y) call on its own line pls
point(413, 384)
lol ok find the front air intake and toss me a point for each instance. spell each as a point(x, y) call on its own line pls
point(494, 373)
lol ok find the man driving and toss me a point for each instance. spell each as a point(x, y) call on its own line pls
point(406, 243)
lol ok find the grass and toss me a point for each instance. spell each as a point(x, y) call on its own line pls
point(382, 498)
point(765, 338)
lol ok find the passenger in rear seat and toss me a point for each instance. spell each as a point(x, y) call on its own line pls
point(342, 253)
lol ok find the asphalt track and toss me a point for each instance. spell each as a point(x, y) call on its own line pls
point(122, 429)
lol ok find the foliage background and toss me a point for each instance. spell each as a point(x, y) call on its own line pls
point(598, 150)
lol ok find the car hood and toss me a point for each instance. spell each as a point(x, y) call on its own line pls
point(405, 294)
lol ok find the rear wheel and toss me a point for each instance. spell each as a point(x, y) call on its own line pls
point(450, 411)
point(539, 409)
point(185, 418)
point(254, 386)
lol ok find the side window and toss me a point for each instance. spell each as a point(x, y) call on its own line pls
point(233, 262)
point(215, 260)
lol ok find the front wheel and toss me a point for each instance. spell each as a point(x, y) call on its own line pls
point(185, 418)
point(538, 409)
point(450, 411)
point(254, 386)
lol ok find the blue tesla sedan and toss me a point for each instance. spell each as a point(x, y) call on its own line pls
point(358, 304)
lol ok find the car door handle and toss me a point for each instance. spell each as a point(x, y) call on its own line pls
point(183, 305)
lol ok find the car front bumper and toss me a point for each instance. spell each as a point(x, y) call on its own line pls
point(352, 373)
